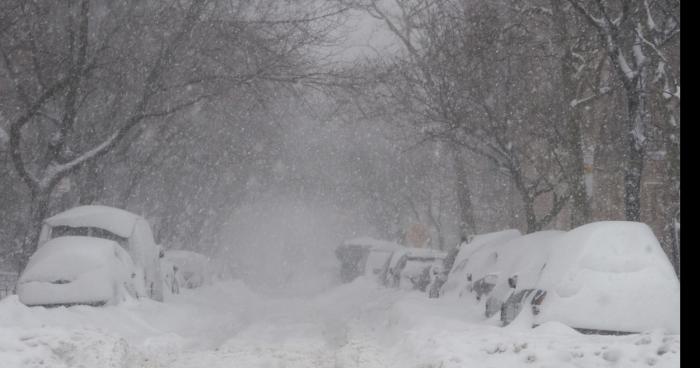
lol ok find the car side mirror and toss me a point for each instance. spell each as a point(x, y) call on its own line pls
point(513, 281)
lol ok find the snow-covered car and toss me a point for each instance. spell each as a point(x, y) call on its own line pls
point(94, 224)
point(413, 268)
point(193, 269)
point(365, 256)
point(77, 270)
point(604, 277)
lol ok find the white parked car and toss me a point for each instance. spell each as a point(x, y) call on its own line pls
point(77, 270)
point(92, 255)
point(365, 256)
point(603, 277)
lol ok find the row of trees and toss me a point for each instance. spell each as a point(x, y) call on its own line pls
point(483, 115)
point(100, 97)
point(526, 85)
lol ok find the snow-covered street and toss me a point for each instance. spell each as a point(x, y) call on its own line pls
point(354, 325)
point(340, 184)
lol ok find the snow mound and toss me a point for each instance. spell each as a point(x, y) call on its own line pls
point(555, 328)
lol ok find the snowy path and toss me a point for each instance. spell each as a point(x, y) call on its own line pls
point(356, 325)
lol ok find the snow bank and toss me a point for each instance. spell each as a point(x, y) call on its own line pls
point(355, 325)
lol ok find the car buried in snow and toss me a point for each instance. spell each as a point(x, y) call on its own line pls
point(413, 268)
point(365, 256)
point(607, 277)
point(92, 255)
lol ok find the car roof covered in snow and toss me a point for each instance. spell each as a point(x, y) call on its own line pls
point(374, 244)
point(425, 253)
point(483, 240)
point(115, 220)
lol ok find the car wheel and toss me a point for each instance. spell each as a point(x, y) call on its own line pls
point(514, 305)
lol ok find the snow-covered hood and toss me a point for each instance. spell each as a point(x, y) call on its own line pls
point(68, 257)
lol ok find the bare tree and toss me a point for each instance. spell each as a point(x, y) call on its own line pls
point(89, 76)
point(632, 36)
point(463, 81)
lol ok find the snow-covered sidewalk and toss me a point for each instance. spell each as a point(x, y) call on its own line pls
point(353, 325)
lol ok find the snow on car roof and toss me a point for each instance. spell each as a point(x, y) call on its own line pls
point(375, 244)
point(425, 253)
point(115, 220)
point(415, 253)
point(483, 240)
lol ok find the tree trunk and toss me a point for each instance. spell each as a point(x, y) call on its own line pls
point(530, 216)
point(580, 201)
point(467, 223)
point(38, 211)
point(673, 176)
point(92, 184)
point(635, 153)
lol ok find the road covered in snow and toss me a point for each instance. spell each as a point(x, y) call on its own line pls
point(354, 325)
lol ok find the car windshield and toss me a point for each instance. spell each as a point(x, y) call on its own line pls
point(58, 231)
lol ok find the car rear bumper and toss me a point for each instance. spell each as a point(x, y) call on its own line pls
point(87, 292)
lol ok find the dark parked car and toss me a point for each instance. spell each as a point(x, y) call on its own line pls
point(364, 256)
